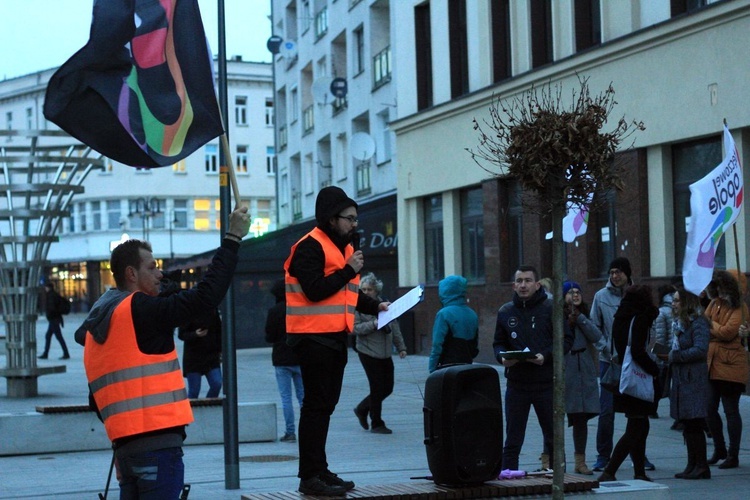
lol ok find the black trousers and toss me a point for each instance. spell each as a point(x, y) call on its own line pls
point(380, 376)
point(322, 375)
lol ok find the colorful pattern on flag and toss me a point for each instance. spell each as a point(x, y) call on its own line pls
point(141, 90)
point(715, 203)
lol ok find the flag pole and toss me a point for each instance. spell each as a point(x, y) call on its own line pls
point(230, 166)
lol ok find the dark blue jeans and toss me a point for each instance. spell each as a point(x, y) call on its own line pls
point(194, 383)
point(54, 329)
point(153, 475)
point(606, 428)
point(518, 403)
point(728, 393)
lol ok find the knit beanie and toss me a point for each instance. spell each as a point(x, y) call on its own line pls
point(331, 201)
point(623, 264)
point(570, 284)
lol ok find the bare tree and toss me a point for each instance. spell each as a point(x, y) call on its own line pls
point(561, 153)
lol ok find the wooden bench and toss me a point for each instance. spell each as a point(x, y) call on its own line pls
point(421, 490)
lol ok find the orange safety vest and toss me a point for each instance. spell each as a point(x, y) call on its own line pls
point(331, 315)
point(135, 392)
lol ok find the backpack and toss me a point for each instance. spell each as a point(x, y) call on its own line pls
point(64, 305)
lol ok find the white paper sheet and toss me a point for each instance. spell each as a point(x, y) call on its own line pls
point(400, 306)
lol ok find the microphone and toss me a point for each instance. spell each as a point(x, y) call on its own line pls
point(355, 240)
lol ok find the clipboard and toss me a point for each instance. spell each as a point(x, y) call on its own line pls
point(400, 306)
point(520, 355)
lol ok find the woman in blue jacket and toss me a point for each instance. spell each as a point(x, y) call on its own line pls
point(455, 333)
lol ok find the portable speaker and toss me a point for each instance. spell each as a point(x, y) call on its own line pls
point(463, 424)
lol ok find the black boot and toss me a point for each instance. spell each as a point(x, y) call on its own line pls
point(690, 443)
point(701, 470)
point(720, 453)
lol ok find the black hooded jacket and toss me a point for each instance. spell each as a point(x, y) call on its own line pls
point(282, 354)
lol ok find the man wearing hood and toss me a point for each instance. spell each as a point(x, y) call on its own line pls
point(603, 309)
point(131, 361)
point(322, 293)
point(456, 329)
point(526, 323)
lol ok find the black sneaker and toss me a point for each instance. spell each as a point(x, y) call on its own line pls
point(316, 487)
point(332, 479)
point(381, 429)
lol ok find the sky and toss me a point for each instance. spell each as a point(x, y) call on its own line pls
point(40, 34)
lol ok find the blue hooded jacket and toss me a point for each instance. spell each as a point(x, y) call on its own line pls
point(455, 333)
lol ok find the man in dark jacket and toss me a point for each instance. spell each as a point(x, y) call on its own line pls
point(285, 361)
point(322, 292)
point(131, 361)
point(53, 311)
point(525, 323)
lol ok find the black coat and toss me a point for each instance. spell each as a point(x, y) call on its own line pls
point(644, 312)
point(201, 354)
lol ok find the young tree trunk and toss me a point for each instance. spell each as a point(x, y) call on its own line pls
point(558, 357)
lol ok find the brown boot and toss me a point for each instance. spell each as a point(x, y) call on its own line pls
point(581, 467)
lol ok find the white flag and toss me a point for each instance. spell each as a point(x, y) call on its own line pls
point(575, 223)
point(715, 203)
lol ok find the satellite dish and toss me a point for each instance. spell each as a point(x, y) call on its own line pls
point(288, 49)
point(321, 90)
point(362, 146)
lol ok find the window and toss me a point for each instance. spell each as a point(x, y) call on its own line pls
point(359, 51)
point(180, 214)
point(472, 234)
point(179, 167)
point(606, 222)
point(81, 214)
point(113, 215)
point(541, 32)
point(692, 161)
point(96, 215)
point(212, 158)
point(9, 121)
point(511, 227)
point(308, 119)
point(270, 161)
point(588, 24)
point(363, 178)
point(240, 110)
point(423, 41)
point(459, 48)
point(683, 6)
point(501, 40)
point(294, 105)
point(321, 23)
point(30, 118)
point(241, 159)
point(433, 229)
point(305, 16)
point(269, 112)
point(381, 68)
point(202, 210)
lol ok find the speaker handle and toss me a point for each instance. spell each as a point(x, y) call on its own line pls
point(429, 435)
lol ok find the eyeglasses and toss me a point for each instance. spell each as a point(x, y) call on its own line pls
point(615, 272)
point(350, 218)
point(573, 291)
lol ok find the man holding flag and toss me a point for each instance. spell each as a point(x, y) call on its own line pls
point(715, 203)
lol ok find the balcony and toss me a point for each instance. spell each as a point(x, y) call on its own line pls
point(339, 104)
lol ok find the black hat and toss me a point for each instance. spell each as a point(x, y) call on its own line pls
point(623, 264)
point(330, 202)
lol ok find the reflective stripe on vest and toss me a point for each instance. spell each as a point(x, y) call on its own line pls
point(333, 314)
point(135, 392)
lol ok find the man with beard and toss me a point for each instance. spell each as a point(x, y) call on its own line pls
point(322, 293)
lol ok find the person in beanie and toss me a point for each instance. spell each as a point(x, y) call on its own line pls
point(603, 309)
point(581, 386)
point(322, 293)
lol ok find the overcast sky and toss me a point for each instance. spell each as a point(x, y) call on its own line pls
point(42, 34)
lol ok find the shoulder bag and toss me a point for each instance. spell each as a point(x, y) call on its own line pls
point(634, 381)
point(610, 381)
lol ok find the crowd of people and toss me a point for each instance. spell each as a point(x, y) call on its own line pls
point(690, 348)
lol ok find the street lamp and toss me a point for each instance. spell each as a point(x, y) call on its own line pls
point(145, 208)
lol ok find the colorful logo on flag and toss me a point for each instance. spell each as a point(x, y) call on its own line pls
point(715, 203)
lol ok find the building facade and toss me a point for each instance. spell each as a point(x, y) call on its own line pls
point(673, 64)
point(175, 208)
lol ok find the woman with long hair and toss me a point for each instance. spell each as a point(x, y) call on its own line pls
point(635, 314)
point(688, 395)
point(581, 372)
point(727, 365)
